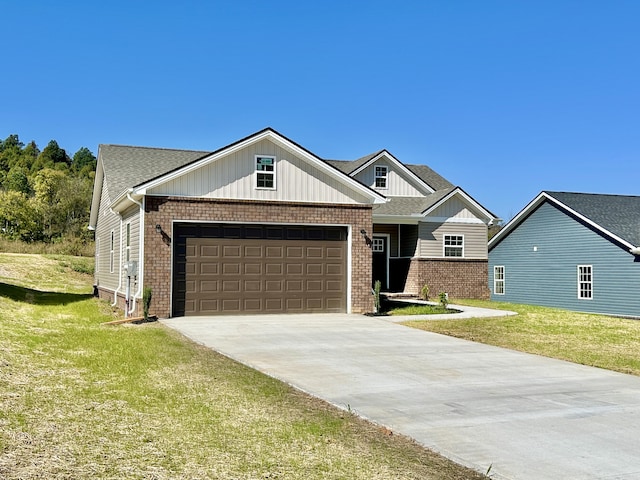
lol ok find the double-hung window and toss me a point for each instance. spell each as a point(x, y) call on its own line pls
point(454, 245)
point(498, 280)
point(381, 172)
point(265, 172)
point(585, 282)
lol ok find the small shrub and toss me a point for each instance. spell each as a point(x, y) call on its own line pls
point(444, 299)
point(147, 294)
point(424, 292)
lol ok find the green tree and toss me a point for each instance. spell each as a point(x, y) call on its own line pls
point(51, 157)
point(17, 217)
point(17, 180)
point(84, 162)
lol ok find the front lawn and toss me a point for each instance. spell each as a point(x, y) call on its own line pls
point(82, 400)
point(596, 340)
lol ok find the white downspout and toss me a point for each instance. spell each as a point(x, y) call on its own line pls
point(115, 294)
point(138, 294)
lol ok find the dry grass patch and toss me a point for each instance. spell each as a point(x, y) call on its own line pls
point(589, 339)
point(83, 400)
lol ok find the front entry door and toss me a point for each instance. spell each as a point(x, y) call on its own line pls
point(380, 250)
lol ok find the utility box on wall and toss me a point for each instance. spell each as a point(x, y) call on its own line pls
point(131, 268)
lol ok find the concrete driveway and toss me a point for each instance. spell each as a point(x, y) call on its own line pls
point(529, 417)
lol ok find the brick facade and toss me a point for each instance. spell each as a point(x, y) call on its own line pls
point(164, 210)
point(460, 278)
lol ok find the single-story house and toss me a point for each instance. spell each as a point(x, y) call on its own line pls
point(265, 225)
point(576, 251)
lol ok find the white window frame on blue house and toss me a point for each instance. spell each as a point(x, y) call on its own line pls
point(499, 280)
point(585, 282)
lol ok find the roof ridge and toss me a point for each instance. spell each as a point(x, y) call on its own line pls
point(166, 149)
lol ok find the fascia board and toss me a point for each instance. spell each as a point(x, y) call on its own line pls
point(287, 144)
point(511, 224)
point(535, 203)
point(97, 194)
point(398, 163)
point(396, 219)
point(461, 193)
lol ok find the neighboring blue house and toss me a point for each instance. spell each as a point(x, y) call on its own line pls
point(576, 251)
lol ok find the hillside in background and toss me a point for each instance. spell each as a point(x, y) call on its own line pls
point(45, 195)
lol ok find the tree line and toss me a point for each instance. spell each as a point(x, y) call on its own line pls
point(45, 196)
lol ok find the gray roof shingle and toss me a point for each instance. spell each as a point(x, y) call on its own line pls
point(125, 167)
point(618, 214)
point(426, 174)
point(410, 205)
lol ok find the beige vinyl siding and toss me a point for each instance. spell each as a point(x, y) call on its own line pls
point(430, 243)
point(107, 221)
point(130, 216)
point(234, 177)
point(453, 208)
point(398, 183)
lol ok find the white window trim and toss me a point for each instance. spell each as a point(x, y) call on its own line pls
point(127, 250)
point(580, 282)
point(444, 245)
point(112, 251)
point(385, 176)
point(377, 241)
point(496, 281)
point(273, 173)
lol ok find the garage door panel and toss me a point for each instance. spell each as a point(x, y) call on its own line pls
point(274, 305)
point(231, 286)
point(253, 251)
point(231, 268)
point(209, 251)
point(314, 285)
point(274, 252)
point(231, 251)
point(252, 305)
point(253, 269)
point(273, 269)
point(334, 269)
point(294, 269)
point(296, 252)
point(209, 268)
point(253, 275)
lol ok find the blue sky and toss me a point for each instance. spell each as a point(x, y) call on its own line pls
point(503, 98)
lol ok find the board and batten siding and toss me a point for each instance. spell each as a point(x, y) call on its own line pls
point(234, 177)
point(431, 239)
point(130, 216)
point(541, 255)
point(398, 184)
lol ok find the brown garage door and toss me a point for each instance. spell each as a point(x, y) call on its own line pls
point(232, 269)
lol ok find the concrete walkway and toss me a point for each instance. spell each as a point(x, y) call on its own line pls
point(528, 416)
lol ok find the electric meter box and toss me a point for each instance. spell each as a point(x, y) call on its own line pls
point(131, 268)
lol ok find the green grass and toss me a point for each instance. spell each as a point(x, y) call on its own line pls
point(419, 310)
point(79, 399)
point(596, 340)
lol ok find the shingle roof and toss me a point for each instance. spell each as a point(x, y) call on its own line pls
point(126, 166)
point(618, 214)
point(410, 205)
point(431, 178)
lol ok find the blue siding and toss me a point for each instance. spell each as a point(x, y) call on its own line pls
point(548, 276)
